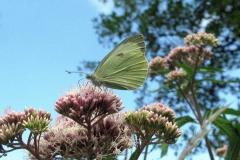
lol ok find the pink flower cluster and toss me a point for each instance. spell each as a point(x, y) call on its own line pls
point(13, 124)
point(175, 75)
point(188, 55)
point(201, 39)
point(156, 119)
point(90, 102)
point(193, 54)
point(89, 126)
point(155, 65)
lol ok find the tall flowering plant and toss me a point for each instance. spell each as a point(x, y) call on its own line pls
point(181, 69)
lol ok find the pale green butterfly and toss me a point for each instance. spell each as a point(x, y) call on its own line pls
point(125, 67)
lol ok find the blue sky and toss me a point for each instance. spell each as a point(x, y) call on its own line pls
point(39, 40)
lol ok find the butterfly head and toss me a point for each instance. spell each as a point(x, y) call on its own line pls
point(94, 79)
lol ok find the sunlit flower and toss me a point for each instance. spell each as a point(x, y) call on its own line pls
point(201, 39)
point(156, 119)
point(90, 100)
point(160, 109)
point(11, 126)
point(222, 151)
point(59, 138)
point(156, 64)
point(69, 139)
point(171, 133)
point(112, 134)
point(188, 55)
point(175, 75)
point(36, 121)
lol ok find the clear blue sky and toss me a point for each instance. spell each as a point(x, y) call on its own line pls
point(39, 40)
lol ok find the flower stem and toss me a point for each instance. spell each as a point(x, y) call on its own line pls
point(140, 147)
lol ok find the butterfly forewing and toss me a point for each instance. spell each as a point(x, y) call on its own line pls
point(126, 66)
point(132, 43)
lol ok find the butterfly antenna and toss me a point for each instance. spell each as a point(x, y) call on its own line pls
point(69, 72)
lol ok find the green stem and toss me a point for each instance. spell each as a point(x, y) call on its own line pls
point(194, 101)
point(198, 116)
point(89, 143)
point(27, 146)
point(200, 120)
point(196, 105)
point(146, 152)
point(140, 147)
point(186, 99)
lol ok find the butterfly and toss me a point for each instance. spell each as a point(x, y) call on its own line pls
point(125, 67)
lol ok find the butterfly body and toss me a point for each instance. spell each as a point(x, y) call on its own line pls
point(124, 68)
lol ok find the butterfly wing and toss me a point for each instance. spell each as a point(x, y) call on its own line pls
point(126, 66)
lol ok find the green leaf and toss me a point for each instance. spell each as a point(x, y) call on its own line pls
point(208, 70)
point(164, 148)
point(232, 112)
point(189, 70)
point(210, 80)
point(238, 128)
point(184, 120)
point(233, 147)
point(224, 125)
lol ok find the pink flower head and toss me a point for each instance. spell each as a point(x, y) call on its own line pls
point(69, 139)
point(161, 109)
point(36, 121)
point(201, 39)
point(156, 119)
point(11, 126)
point(188, 55)
point(156, 64)
point(90, 101)
point(175, 75)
